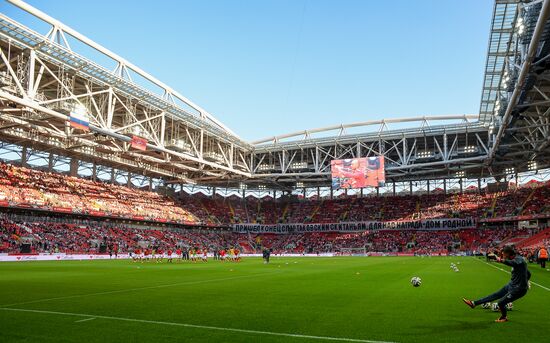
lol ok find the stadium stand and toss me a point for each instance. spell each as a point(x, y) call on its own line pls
point(26, 188)
point(72, 238)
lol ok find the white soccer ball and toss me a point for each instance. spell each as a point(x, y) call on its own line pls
point(510, 306)
point(494, 307)
point(416, 281)
point(486, 306)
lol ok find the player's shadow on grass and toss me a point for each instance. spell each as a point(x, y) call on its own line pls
point(454, 326)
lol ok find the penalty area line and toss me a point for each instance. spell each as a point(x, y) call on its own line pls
point(193, 326)
point(507, 272)
point(85, 320)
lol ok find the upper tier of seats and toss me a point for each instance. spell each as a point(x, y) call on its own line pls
point(21, 186)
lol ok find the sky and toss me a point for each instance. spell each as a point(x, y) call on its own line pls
point(270, 67)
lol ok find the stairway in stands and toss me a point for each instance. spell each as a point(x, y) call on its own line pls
point(523, 206)
point(316, 210)
point(535, 239)
point(493, 205)
point(210, 216)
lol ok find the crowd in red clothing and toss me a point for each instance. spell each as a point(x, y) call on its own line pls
point(72, 238)
point(410, 241)
point(90, 238)
point(532, 199)
point(28, 188)
point(527, 200)
point(24, 187)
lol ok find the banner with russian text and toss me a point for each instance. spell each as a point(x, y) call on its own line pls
point(427, 224)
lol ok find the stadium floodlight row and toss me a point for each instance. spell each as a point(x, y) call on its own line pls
point(142, 126)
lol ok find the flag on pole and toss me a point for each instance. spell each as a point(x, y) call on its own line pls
point(138, 143)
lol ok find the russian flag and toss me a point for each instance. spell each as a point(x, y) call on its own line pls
point(79, 120)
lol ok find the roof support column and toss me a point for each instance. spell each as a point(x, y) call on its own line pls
point(73, 167)
point(24, 156)
point(94, 171)
point(479, 186)
point(50, 162)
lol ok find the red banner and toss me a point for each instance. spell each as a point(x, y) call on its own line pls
point(358, 172)
point(96, 213)
point(138, 143)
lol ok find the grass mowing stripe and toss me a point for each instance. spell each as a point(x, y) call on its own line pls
point(139, 289)
point(507, 272)
point(194, 326)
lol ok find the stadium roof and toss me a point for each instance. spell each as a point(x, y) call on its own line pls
point(500, 39)
point(186, 144)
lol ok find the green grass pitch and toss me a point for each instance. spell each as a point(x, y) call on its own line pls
point(347, 299)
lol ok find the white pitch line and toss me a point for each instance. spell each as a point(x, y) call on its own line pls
point(194, 326)
point(138, 289)
point(85, 320)
point(507, 272)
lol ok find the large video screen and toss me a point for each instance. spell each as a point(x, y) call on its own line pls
point(358, 172)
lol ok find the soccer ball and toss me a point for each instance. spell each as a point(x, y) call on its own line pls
point(416, 281)
point(495, 307)
point(486, 306)
point(510, 306)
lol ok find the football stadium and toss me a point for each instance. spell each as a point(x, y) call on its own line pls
point(129, 213)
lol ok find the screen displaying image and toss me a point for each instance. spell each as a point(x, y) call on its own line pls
point(358, 172)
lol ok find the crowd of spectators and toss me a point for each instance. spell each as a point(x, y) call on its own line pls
point(29, 188)
point(20, 186)
point(24, 187)
point(47, 237)
point(529, 200)
point(393, 241)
